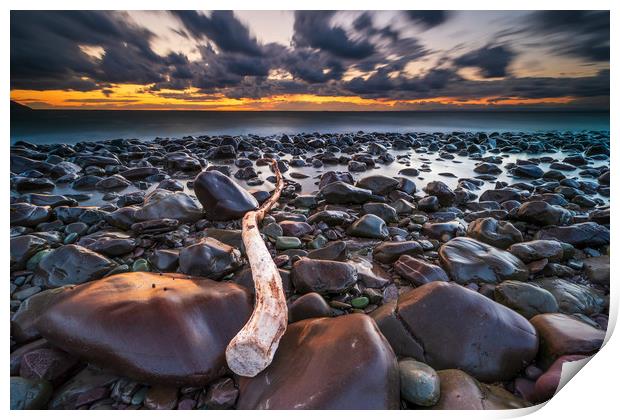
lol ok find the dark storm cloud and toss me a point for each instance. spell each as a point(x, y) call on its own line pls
point(492, 61)
point(428, 18)
point(579, 33)
point(46, 53)
point(313, 29)
point(223, 28)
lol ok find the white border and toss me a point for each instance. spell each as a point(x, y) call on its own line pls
point(591, 395)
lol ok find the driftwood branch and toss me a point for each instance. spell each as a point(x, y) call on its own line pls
point(253, 348)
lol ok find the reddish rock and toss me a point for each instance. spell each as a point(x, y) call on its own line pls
point(459, 391)
point(47, 363)
point(564, 335)
point(418, 272)
point(327, 363)
point(448, 326)
point(161, 398)
point(166, 329)
point(221, 395)
point(297, 229)
point(549, 381)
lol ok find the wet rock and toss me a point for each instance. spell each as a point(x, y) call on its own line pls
point(596, 269)
point(22, 248)
point(16, 356)
point(527, 299)
point(24, 214)
point(318, 350)
point(310, 305)
point(418, 272)
point(209, 258)
point(23, 322)
point(47, 363)
point(370, 274)
point(322, 276)
point(580, 235)
point(169, 316)
point(388, 252)
point(527, 171)
point(335, 176)
point(369, 226)
point(419, 383)
point(574, 298)
point(547, 384)
point(564, 335)
point(382, 210)
point(335, 251)
point(29, 394)
point(221, 197)
point(429, 204)
point(378, 184)
point(459, 391)
point(341, 193)
point(467, 260)
point(499, 234)
point(164, 204)
point(331, 217)
point(543, 214)
point(109, 243)
point(165, 260)
point(114, 182)
point(553, 251)
point(296, 229)
point(161, 398)
point(221, 395)
point(287, 242)
point(88, 386)
point(71, 264)
point(446, 326)
point(501, 195)
point(444, 231)
point(443, 193)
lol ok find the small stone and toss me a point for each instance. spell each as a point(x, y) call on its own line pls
point(419, 383)
point(360, 302)
point(140, 265)
point(287, 242)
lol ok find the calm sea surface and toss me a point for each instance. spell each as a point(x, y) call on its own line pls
point(60, 126)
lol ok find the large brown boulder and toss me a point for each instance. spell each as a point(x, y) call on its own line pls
point(564, 335)
point(327, 363)
point(154, 328)
point(448, 326)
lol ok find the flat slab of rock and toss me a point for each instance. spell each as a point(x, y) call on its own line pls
point(449, 326)
point(154, 328)
point(467, 260)
point(327, 363)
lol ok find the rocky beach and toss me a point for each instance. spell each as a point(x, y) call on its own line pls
point(421, 270)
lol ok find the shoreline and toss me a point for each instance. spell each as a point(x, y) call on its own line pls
point(448, 230)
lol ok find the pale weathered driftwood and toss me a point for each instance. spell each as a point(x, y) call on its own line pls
point(253, 348)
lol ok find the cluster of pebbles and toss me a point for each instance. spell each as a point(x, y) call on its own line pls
point(443, 270)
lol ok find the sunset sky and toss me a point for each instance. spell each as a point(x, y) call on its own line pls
point(310, 60)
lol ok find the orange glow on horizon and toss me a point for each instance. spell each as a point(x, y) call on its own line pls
point(137, 97)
